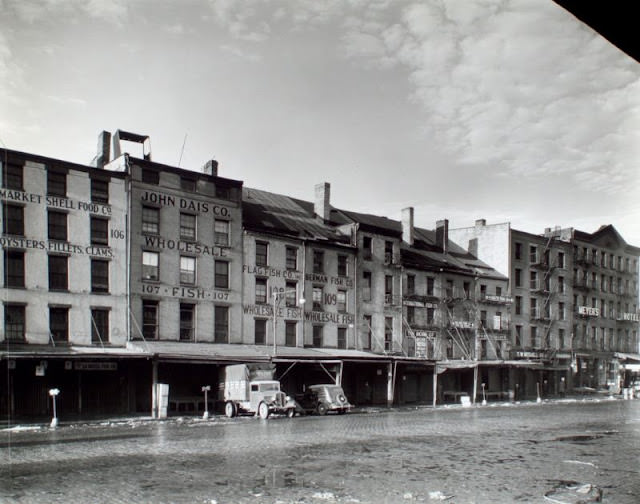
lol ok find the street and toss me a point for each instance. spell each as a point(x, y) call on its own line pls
point(492, 454)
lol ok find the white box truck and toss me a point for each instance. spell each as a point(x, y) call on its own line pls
point(250, 389)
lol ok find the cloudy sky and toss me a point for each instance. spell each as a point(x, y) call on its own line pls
point(504, 110)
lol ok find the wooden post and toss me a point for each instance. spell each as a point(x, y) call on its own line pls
point(155, 402)
point(390, 384)
point(435, 384)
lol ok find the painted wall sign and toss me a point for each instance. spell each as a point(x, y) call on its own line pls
point(183, 292)
point(184, 246)
point(588, 310)
point(634, 317)
point(56, 202)
point(497, 299)
point(294, 313)
point(56, 246)
point(185, 204)
point(425, 334)
point(462, 324)
point(319, 278)
point(272, 272)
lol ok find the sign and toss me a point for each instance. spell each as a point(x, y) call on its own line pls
point(588, 311)
point(421, 347)
point(271, 272)
point(462, 324)
point(184, 246)
point(185, 204)
point(56, 246)
point(96, 366)
point(633, 317)
point(183, 292)
point(56, 202)
point(425, 334)
point(497, 299)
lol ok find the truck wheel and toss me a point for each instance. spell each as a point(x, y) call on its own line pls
point(291, 412)
point(322, 409)
point(263, 410)
point(230, 409)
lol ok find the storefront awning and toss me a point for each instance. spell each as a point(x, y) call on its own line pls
point(177, 351)
point(30, 351)
point(629, 358)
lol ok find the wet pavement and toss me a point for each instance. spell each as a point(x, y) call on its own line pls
point(567, 451)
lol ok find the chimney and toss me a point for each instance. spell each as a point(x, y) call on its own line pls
point(473, 247)
point(442, 234)
point(321, 207)
point(210, 168)
point(104, 149)
point(407, 225)
point(481, 223)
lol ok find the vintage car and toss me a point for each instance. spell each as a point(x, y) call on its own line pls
point(322, 399)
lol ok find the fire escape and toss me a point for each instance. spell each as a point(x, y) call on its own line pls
point(545, 289)
point(460, 325)
point(496, 333)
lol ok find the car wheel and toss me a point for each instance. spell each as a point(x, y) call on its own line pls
point(263, 410)
point(230, 409)
point(291, 412)
point(322, 409)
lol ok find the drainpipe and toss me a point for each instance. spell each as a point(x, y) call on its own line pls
point(304, 284)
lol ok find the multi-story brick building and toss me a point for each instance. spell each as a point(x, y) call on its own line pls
point(64, 286)
point(559, 331)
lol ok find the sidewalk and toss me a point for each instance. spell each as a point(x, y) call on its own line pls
point(39, 424)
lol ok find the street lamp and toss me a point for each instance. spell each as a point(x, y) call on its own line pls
point(277, 299)
point(53, 393)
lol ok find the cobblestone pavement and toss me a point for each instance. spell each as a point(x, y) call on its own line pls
point(491, 454)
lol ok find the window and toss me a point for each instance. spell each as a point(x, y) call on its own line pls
point(59, 324)
point(518, 250)
point(14, 322)
point(290, 333)
point(221, 232)
point(57, 225)
point(262, 249)
point(518, 342)
point(411, 314)
point(388, 334)
point(99, 275)
point(388, 289)
point(150, 266)
point(13, 222)
point(187, 184)
point(560, 259)
point(430, 286)
point(12, 177)
point(561, 311)
point(366, 286)
point(533, 307)
point(149, 319)
point(150, 176)
point(483, 318)
point(99, 191)
point(342, 301)
point(535, 343)
point(14, 268)
point(533, 279)
point(291, 258)
point(533, 254)
point(342, 265)
point(318, 261)
point(561, 339)
point(342, 337)
point(291, 294)
point(56, 184)
point(150, 220)
point(260, 332)
point(223, 192)
point(99, 325)
point(317, 298)
point(221, 280)
point(561, 284)
point(367, 247)
point(466, 288)
point(221, 324)
point(99, 231)
point(449, 289)
point(518, 277)
point(261, 290)
point(187, 226)
point(188, 270)
point(411, 285)
point(518, 305)
point(388, 252)
point(317, 336)
point(58, 272)
point(367, 332)
point(187, 321)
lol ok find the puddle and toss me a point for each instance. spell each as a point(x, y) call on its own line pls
point(581, 438)
point(573, 492)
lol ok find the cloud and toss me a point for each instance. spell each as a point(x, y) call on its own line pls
point(66, 101)
point(32, 11)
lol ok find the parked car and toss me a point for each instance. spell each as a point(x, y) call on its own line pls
point(322, 399)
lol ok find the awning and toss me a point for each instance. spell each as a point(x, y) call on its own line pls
point(630, 358)
point(30, 351)
point(180, 351)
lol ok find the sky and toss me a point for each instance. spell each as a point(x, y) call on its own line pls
point(503, 110)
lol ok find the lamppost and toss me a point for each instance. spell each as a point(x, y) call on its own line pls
point(277, 299)
point(53, 393)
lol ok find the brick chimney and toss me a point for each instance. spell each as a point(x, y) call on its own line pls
point(442, 234)
point(104, 149)
point(210, 168)
point(322, 207)
point(407, 225)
